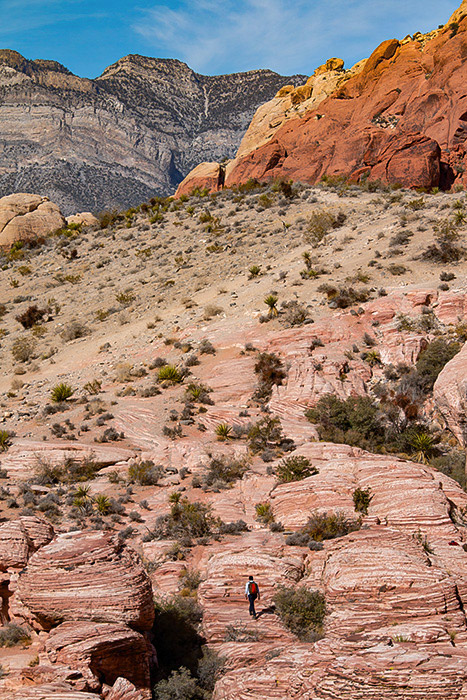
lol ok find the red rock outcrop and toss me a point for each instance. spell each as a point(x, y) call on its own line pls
point(21, 538)
point(87, 576)
point(400, 117)
point(450, 395)
point(122, 689)
point(101, 652)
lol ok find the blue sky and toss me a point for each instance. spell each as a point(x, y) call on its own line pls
point(212, 36)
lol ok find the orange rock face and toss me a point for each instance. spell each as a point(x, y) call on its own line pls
point(400, 118)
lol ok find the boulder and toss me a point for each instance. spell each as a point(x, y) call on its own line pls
point(450, 395)
point(122, 689)
point(210, 175)
point(102, 652)
point(21, 538)
point(84, 218)
point(24, 217)
point(90, 576)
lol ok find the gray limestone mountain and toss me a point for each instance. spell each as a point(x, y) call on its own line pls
point(132, 133)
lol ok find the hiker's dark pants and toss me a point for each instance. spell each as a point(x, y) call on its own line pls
point(252, 597)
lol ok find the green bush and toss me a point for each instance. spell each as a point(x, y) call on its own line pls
point(321, 526)
point(61, 392)
point(294, 469)
point(186, 519)
point(433, 359)
point(301, 611)
point(353, 421)
point(362, 499)
point(267, 434)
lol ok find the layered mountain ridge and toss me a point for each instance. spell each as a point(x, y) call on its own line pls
point(115, 141)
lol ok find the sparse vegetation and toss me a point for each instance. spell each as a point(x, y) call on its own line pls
point(301, 611)
point(294, 469)
point(61, 392)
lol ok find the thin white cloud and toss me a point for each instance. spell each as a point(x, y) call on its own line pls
point(20, 16)
point(288, 36)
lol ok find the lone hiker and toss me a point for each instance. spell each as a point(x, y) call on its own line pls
point(252, 593)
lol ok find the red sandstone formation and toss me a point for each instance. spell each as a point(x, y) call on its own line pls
point(101, 652)
point(87, 576)
point(399, 117)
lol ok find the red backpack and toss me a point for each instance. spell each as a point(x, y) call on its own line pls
point(253, 588)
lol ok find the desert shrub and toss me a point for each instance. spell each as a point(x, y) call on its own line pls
point(353, 421)
point(270, 372)
point(301, 611)
point(74, 330)
point(23, 349)
point(320, 223)
point(186, 519)
point(432, 360)
point(362, 499)
point(294, 469)
point(446, 248)
point(68, 471)
point(189, 580)
point(453, 465)
point(145, 473)
point(169, 373)
point(223, 431)
point(223, 471)
point(12, 634)
point(343, 297)
point(264, 513)
point(31, 317)
point(294, 314)
point(180, 685)
point(266, 435)
point(321, 526)
point(234, 528)
point(198, 393)
point(206, 348)
point(61, 392)
point(5, 440)
point(302, 539)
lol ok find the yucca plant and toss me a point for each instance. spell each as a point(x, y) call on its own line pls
point(271, 303)
point(422, 444)
point(5, 440)
point(373, 358)
point(82, 492)
point(102, 504)
point(223, 431)
point(61, 392)
point(254, 271)
point(264, 513)
point(169, 373)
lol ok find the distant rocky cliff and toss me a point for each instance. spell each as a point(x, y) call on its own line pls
point(400, 116)
point(115, 141)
